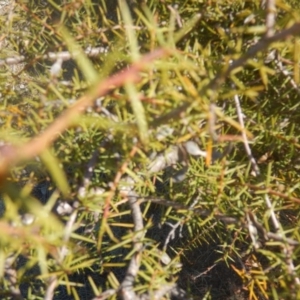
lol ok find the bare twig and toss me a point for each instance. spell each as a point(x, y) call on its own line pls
point(220, 78)
point(113, 188)
point(245, 138)
point(105, 295)
point(52, 284)
point(37, 145)
point(270, 17)
point(10, 155)
point(126, 289)
point(204, 272)
point(275, 193)
point(53, 56)
point(287, 248)
point(286, 73)
point(274, 55)
point(11, 275)
point(199, 212)
point(49, 294)
point(252, 159)
point(159, 294)
point(174, 11)
point(171, 234)
point(261, 45)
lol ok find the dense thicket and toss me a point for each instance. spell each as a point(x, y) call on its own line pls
point(149, 150)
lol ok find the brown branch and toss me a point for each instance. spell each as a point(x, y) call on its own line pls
point(113, 188)
point(220, 78)
point(286, 249)
point(272, 192)
point(261, 45)
point(11, 155)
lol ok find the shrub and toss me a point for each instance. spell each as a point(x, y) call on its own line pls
point(149, 151)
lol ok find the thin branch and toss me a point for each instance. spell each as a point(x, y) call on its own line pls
point(220, 78)
point(244, 136)
point(171, 234)
point(204, 272)
point(105, 295)
point(261, 45)
point(11, 155)
point(113, 188)
point(287, 248)
point(10, 273)
point(53, 56)
point(52, 284)
point(270, 17)
point(175, 12)
point(170, 289)
point(286, 73)
point(126, 289)
point(252, 159)
point(63, 251)
point(38, 144)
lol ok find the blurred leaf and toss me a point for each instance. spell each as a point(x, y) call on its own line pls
point(80, 57)
point(130, 31)
point(53, 166)
point(139, 112)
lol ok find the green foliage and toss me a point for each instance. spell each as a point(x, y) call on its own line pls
point(68, 222)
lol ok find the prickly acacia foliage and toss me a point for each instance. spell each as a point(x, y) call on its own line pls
point(149, 150)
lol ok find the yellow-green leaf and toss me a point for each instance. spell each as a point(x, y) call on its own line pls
point(53, 166)
point(139, 112)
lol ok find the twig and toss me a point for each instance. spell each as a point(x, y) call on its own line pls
point(170, 289)
point(270, 17)
point(49, 294)
point(174, 11)
point(286, 249)
point(113, 188)
point(244, 136)
point(52, 284)
point(105, 295)
point(199, 212)
point(126, 289)
point(11, 155)
point(171, 234)
point(204, 272)
point(37, 145)
point(261, 45)
point(11, 274)
point(286, 73)
point(252, 159)
point(275, 193)
point(53, 56)
point(220, 78)
point(63, 251)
